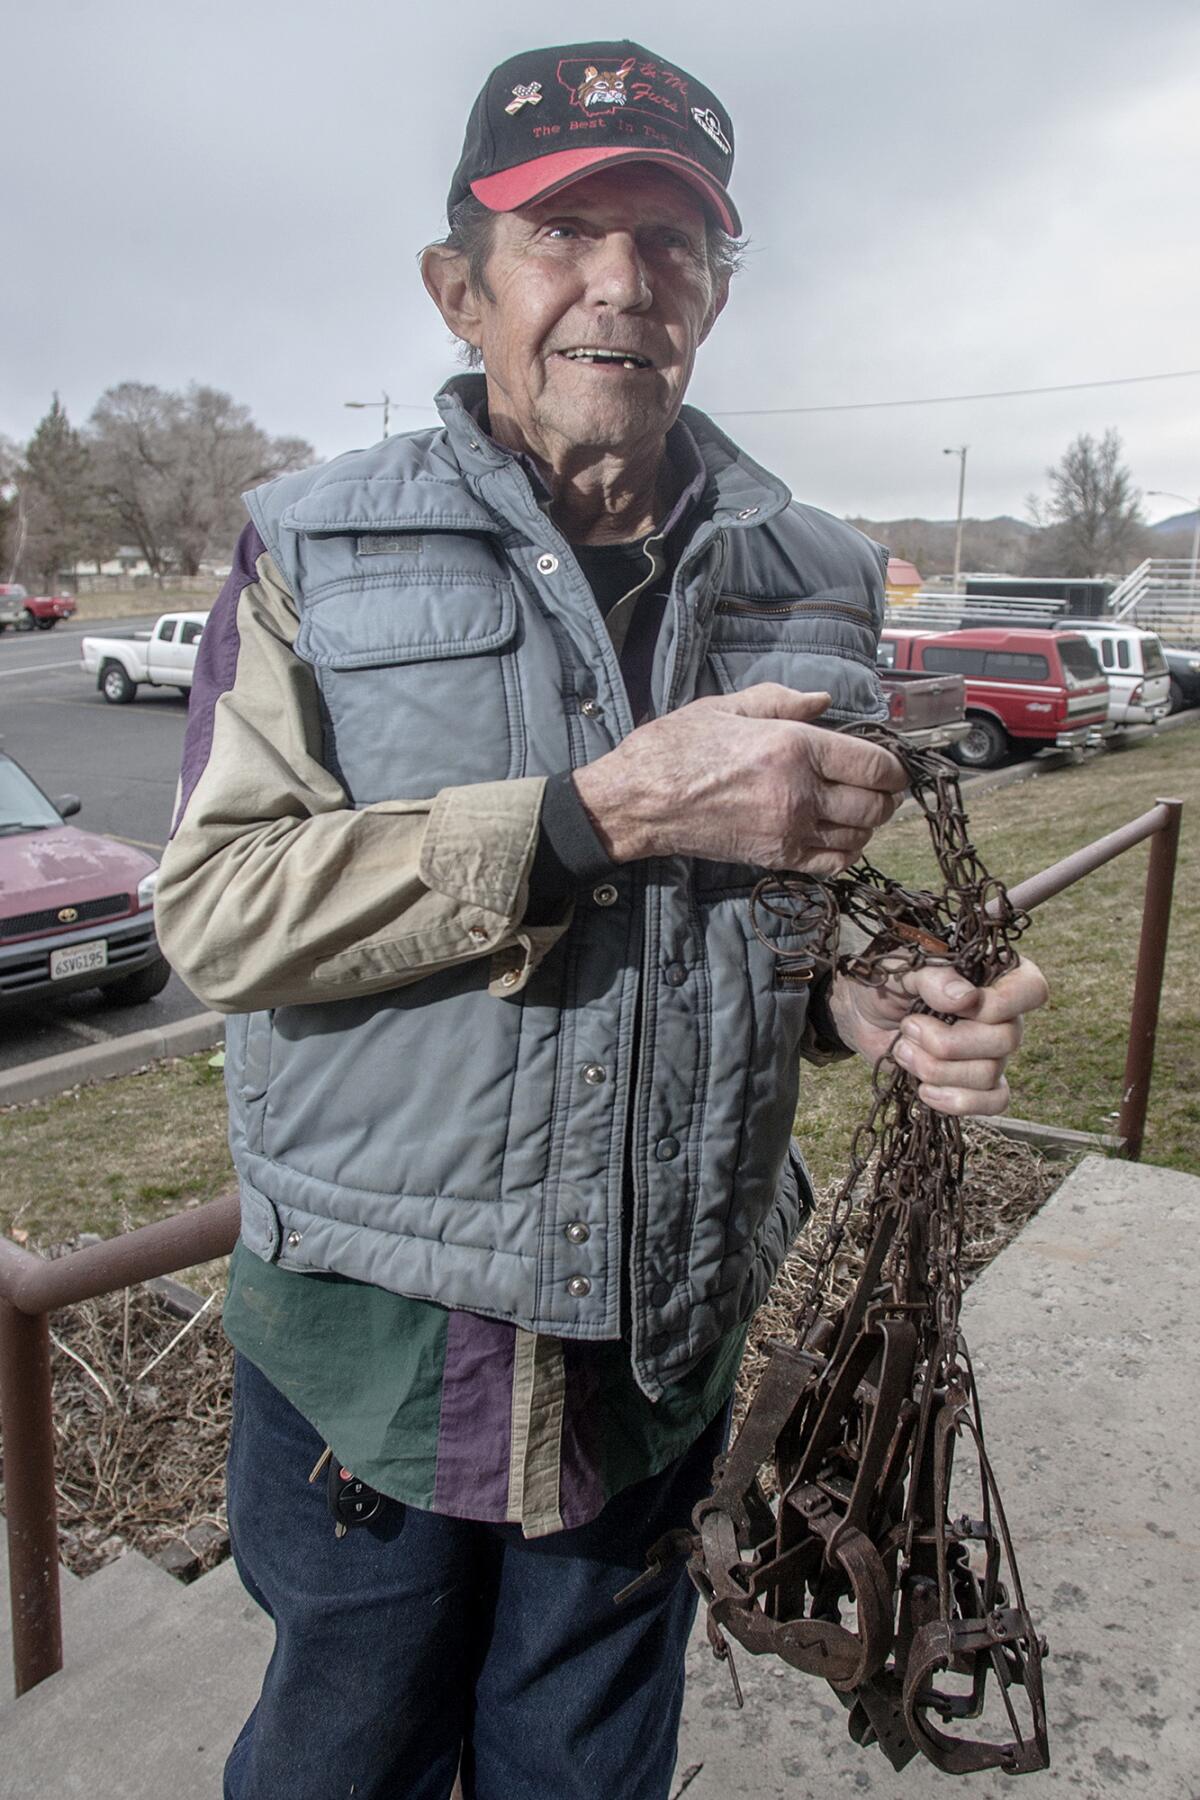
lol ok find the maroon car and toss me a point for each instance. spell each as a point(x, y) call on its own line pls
point(27, 611)
point(76, 909)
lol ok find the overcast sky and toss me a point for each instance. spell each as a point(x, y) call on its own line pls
point(942, 197)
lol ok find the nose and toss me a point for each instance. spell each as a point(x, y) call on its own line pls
point(618, 274)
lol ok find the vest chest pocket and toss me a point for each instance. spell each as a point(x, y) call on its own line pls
point(818, 641)
point(419, 681)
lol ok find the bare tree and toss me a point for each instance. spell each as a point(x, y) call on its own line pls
point(1092, 522)
point(12, 509)
point(172, 467)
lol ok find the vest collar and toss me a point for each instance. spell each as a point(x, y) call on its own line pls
point(738, 494)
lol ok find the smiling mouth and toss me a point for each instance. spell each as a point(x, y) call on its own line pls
point(621, 359)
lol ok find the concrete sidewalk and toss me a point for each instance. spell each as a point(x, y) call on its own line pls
point(1085, 1337)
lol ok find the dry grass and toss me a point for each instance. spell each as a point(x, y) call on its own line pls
point(146, 602)
point(115, 1155)
point(141, 1424)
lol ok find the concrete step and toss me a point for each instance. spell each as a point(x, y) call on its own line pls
point(155, 1716)
point(117, 1597)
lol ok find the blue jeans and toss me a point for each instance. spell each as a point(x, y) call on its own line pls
point(420, 1642)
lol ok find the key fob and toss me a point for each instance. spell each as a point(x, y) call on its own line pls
point(351, 1501)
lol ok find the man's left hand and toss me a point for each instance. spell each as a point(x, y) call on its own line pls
point(959, 1064)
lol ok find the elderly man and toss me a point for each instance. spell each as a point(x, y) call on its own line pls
point(494, 727)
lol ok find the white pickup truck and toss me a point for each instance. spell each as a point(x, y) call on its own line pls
point(164, 657)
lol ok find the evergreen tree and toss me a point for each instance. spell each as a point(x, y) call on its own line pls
point(60, 501)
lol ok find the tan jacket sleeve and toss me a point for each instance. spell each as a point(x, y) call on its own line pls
point(275, 890)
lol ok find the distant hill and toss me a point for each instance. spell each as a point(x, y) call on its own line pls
point(1182, 522)
point(1002, 545)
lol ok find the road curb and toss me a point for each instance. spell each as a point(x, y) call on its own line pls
point(54, 1074)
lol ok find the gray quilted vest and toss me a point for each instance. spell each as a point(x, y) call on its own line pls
point(451, 1144)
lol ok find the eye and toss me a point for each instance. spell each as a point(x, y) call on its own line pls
point(560, 232)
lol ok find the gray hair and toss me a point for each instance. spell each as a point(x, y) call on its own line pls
point(470, 236)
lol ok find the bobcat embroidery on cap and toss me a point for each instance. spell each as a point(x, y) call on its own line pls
point(607, 89)
point(526, 93)
point(709, 123)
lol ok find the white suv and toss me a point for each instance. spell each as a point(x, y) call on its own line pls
point(1138, 678)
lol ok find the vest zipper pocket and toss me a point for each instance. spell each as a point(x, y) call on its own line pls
point(765, 609)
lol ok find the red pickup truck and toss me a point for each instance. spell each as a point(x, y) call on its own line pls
point(1026, 688)
point(27, 610)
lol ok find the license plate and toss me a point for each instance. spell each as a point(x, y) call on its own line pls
point(79, 959)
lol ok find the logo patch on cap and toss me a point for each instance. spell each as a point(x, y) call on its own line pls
point(607, 89)
point(526, 93)
point(709, 123)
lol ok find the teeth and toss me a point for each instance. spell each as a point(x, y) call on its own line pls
point(622, 356)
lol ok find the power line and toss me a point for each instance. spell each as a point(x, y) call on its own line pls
point(1065, 387)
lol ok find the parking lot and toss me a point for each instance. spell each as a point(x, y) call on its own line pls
point(122, 761)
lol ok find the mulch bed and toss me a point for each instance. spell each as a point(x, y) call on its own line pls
point(142, 1399)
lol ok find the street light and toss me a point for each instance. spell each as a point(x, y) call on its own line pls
point(1166, 494)
point(385, 403)
point(961, 453)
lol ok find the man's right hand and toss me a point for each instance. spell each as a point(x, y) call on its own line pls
point(745, 778)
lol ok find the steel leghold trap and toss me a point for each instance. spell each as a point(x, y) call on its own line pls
point(856, 1570)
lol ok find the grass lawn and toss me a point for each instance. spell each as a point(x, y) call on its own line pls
point(114, 1155)
point(125, 1152)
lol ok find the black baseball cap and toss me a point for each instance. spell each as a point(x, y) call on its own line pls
point(547, 118)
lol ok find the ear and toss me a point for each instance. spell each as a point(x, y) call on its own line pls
point(627, 66)
point(444, 273)
point(717, 305)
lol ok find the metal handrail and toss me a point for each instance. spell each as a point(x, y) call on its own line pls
point(32, 1286)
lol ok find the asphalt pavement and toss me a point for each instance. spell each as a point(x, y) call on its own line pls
point(123, 762)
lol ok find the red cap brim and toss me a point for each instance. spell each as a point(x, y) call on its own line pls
point(545, 175)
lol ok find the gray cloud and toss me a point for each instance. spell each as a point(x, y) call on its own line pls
point(941, 198)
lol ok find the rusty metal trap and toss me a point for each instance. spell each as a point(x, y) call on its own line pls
point(865, 1568)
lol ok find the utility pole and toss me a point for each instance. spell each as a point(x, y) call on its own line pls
point(385, 403)
point(961, 453)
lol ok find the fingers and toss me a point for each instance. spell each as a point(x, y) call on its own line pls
point(1021, 990)
point(771, 700)
point(965, 1040)
point(959, 1063)
point(856, 763)
point(980, 1074)
point(864, 808)
point(965, 1103)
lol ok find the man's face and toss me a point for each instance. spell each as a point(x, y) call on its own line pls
point(616, 262)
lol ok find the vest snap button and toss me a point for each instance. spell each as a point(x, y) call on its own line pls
point(477, 934)
point(293, 1239)
point(667, 1149)
point(579, 1287)
point(660, 1293)
point(674, 974)
point(591, 709)
point(605, 895)
point(547, 564)
point(577, 1232)
point(509, 978)
point(595, 1074)
point(747, 512)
